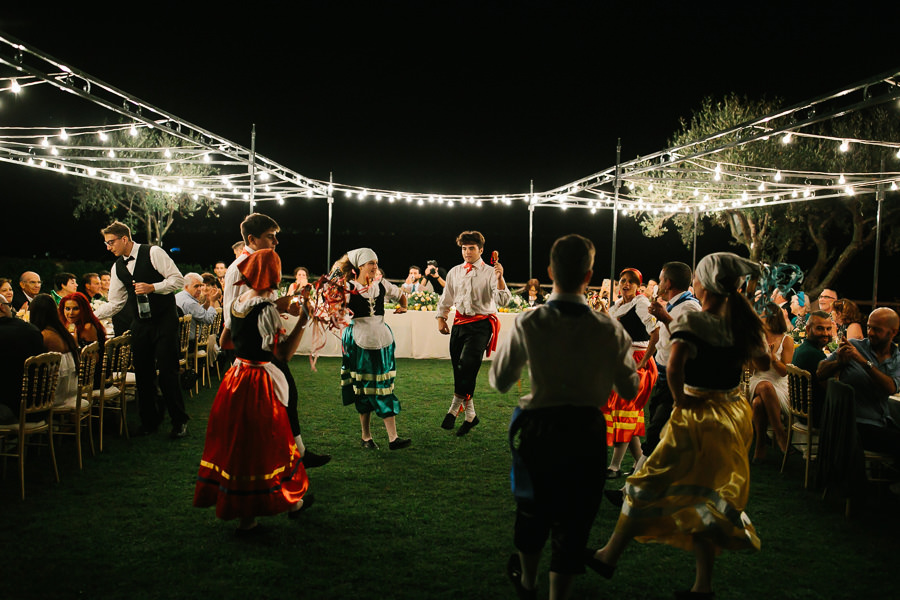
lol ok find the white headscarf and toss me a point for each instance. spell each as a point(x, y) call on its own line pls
point(361, 256)
point(722, 272)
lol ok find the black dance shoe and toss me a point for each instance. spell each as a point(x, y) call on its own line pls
point(311, 460)
point(598, 565)
point(399, 443)
point(467, 426)
point(308, 500)
point(369, 445)
point(514, 573)
point(449, 421)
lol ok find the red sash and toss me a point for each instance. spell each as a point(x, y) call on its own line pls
point(460, 319)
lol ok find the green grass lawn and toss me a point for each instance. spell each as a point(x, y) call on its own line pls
point(431, 521)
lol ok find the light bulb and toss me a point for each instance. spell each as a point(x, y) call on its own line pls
point(103, 137)
point(778, 176)
point(133, 131)
point(787, 138)
point(842, 180)
point(845, 145)
point(63, 135)
point(15, 87)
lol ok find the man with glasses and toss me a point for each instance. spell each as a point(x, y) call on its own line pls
point(29, 287)
point(826, 299)
point(147, 271)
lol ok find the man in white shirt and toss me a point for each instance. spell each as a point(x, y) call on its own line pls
point(188, 300)
point(575, 358)
point(261, 231)
point(476, 290)
point(146, 273)
point(415, 282)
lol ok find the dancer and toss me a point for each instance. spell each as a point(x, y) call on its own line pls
point(260, 232)
point(476, 290)
point(251, 465)
point(624, 416)
point(368, 368)
point(562, 434)
point(692, 491)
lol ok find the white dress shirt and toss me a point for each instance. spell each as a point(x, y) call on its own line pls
point(473, 292)
point(664, 344)
point(234, 285)
point(118, 295)
point(572, 360)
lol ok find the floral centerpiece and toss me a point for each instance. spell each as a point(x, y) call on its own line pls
point(423, 300)
point(516, 304)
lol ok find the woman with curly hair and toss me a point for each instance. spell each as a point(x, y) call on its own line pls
point(76, 313)
point(849, 319)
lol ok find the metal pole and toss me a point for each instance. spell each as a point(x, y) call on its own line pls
point(615, 224)
point(531, 231)
point(330, 206)
point(694, 266)
point(252, 168)
point(879, 197)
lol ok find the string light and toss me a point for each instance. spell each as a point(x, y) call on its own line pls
point(845, 145)
point(63, 135)
point(787, 138)
point(133, 131)
point(777, 176)
point(842, 180)
point(102, 135)
point(14, 87)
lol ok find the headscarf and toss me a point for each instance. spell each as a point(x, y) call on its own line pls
point(801, 299)
point(262, 270)
point(637, 273)
point(361, 256)
point(722, 272)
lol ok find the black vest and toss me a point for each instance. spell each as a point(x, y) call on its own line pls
point(160, 304)
point(634, 326)
point(359, 304)
point(246, 337)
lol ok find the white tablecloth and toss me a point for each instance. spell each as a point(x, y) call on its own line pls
point(415, 334)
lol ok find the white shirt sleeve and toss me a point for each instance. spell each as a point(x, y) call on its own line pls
point(165, 266)
point(117, 297)
point(506, 368)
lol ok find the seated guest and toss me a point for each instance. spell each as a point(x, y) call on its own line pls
point(237, 248)
point(848, 319)
point(188, 301)
point(533, 293)
point(45, 316)
point(819, 333)
point(799, 310)
point(104, 285)
point(415, 282)
point(301, 280)
point(872, 368)
point(6, 289)
point(210, 291)
point(826, 299)
point(90, 286)
point(63, 285)
point(18, 341)
point(29, 287)
point(76, 314)
point(379, 274)
point(769, 387)
point(652, 289)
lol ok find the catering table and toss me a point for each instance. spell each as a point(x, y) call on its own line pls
point(415, 334)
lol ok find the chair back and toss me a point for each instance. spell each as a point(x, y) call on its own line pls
point(800, 391)
point(87, 366)
point(184, 336)
point(39, 379)
point(116, 360)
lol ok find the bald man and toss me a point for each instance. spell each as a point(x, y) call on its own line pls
point(871, 366)
point(29, 287)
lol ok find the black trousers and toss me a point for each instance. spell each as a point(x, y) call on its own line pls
point(564, 451)
point(293, 417)
point(467, 345)
point(154, 343)
point(657, 413)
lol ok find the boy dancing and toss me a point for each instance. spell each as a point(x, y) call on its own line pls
point(476, 290)
point(576, 356)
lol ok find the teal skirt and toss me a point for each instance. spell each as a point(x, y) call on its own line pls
point(367, 377)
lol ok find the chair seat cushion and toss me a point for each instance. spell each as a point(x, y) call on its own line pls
point(110, 391)
point(28, 426)
point(71, 404)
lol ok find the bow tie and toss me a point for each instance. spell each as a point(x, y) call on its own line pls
point(129, 259)
point(468, 267)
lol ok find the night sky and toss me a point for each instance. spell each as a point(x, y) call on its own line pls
point(452, 98)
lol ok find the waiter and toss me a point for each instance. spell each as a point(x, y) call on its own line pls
point(146, 275)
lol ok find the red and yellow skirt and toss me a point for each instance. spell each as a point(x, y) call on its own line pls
point(624, 417)
point(251, 465)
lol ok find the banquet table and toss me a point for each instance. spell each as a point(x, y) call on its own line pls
point(415, 335)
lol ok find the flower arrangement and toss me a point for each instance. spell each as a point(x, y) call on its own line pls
point(516, 304)
point(423, 300)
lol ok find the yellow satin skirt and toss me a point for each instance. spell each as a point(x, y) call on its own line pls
point(697, 480)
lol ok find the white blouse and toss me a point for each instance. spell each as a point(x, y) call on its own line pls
point(371, 332)
point(642, 304)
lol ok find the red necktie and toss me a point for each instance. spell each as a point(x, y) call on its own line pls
point(469, 267)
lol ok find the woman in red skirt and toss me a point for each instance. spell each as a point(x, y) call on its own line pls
point(251, 465)
point(624, 416)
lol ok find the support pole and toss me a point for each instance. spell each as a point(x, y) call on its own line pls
point(694, 266)
point(615, 223)
point(879, 198)
point(252, 168)
point(531, 231)
point(330, 214)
